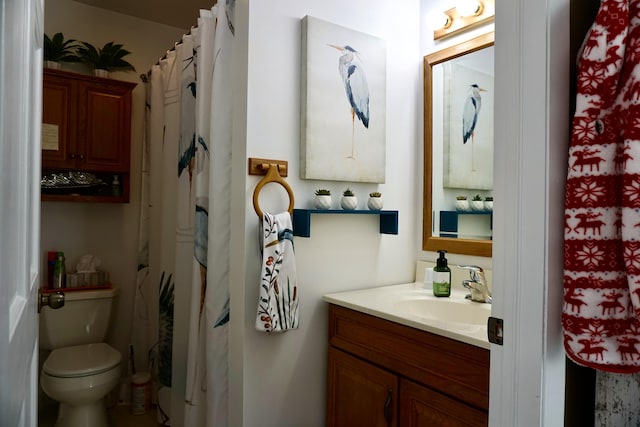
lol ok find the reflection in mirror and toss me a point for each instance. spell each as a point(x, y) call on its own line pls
point(458, 148)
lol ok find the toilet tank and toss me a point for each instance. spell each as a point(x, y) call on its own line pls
point(84, 318)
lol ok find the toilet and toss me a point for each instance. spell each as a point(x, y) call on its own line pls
point(81, 369)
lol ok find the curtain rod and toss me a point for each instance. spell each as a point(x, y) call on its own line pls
point(145, 77)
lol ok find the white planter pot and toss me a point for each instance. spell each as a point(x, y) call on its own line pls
point(374, 203)
point(488, 205)
point(462, 205)
point(349, 203)
point(322, 202)
point(54, 65)
point(100, 73)
point(477, 205)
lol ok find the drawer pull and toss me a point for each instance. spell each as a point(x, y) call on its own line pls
point(387, 407)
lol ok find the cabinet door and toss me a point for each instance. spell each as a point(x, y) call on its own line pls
point(105, 126)
point(422, 407)
point(59, 121)
point(359, 393)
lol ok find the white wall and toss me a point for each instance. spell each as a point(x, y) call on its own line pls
point(109, 231)
point(284, 376)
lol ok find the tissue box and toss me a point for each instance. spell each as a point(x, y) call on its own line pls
point(85, 280)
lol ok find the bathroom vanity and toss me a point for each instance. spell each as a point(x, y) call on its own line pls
point(392, 362)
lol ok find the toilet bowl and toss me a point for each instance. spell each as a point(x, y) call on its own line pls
point(79, 377)
point(81, 368)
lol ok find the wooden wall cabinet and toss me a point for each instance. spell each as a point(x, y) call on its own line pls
point(86, 127)
point(381, 373)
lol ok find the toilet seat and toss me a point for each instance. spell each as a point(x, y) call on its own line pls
point(81, 360)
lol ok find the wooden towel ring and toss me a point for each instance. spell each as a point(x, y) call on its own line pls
point(272, 176)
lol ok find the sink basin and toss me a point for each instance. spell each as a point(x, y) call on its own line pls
point(411, 305)
point(447, 310)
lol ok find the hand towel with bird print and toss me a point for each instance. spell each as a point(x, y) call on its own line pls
point(602, 197)
point(278, 300)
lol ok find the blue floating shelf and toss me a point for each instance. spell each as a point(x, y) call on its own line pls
point(302, 219)
point(449, 221)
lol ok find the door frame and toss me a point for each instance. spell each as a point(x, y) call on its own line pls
point(532, 139)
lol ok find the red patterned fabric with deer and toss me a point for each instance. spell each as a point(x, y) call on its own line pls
point(602, 208)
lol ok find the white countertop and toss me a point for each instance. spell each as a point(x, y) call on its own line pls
point(411, 305)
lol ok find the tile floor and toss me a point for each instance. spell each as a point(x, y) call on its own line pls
point(119, 416)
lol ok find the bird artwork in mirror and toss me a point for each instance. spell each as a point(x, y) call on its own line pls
point(458, 147)
point(343, 97)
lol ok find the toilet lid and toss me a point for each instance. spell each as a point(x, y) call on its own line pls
point(81, 360)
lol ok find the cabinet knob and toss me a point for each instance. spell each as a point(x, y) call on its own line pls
point(72, 156)
point(81, 156)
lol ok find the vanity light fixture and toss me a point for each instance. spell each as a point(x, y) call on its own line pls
point(467, 14)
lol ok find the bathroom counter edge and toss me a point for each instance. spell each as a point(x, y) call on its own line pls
point(379, 302)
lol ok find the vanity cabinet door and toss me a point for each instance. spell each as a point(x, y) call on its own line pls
point(359, 393)
point(423, 407)
point(432, 380)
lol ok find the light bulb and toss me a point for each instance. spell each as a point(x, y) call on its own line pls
point(469, 7)
point(445, 20)
point(440, 20)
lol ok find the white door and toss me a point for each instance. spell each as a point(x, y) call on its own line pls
point(21, 37)
point(530, 158)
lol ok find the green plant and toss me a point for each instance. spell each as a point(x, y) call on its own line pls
point(477, 198)
point(58, 49)
point(375, 194)
point(461, 197)
point(348, 193)
point(488, 199)
point(323, 192)
point(109, 57)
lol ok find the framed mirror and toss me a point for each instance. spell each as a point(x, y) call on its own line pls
point(458, 148)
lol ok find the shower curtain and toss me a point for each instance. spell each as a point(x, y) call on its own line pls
point(181, 308)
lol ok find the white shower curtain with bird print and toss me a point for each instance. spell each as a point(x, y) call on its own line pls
point(181, 311)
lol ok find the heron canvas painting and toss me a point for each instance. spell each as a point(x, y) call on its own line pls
point(343, 104)
point(468, 122)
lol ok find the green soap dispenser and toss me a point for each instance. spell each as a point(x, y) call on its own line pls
point(441, 277)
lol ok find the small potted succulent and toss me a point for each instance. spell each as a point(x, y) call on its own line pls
point(488, 203)
point(477, 204)
point(462, 204)
point(349, 201)
point(56, 50)
point(375, 201)
point(106, 59)
point(322, 199)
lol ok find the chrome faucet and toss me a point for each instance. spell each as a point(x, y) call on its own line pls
point(477, 284)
